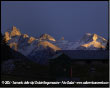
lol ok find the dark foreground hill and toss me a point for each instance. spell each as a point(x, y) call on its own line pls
point(17, 67)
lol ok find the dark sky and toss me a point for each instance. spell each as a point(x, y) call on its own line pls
point(70, 19)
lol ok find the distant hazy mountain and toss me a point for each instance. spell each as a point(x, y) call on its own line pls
point(42, 48)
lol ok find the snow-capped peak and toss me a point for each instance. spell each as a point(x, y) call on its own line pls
point(15, 32)
point(46, 44)
point(88, 34)
point(93, 40)
point(7, 36)
point(25, 36)
point(47, 37)
point(11, 33)
point(86, 38)
point(31, 39)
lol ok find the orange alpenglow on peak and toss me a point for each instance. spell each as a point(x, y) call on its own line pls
point(13, 45)
point(15, 32)
point(46, 44)
point(95, 37)
point(25, 36)
point(7, 36)
point(46, 37)
point(31, 39)
point(95, 43)
point(10, 33)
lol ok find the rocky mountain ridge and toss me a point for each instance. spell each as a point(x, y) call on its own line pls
point(46, 45)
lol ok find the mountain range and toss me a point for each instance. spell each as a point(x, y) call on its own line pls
point(44, 47)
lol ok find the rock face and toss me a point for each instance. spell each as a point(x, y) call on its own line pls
point(11, 33)
point(92, 41)
point(15, 32)
point(46, 37)
point(7, 36)
point(30, 45)
point(86, 38)
point(46, 46)
point(18, 41)
point(31, 39)
point(43, 51)
point(87, 42)
point(25, 36)
point(14, 46)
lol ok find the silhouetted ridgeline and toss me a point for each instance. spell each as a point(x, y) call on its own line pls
point(8, 53)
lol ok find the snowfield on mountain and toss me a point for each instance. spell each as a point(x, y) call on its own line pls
point(45, 46)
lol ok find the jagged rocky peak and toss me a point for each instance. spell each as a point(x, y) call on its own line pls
point(98, 38)
point(87, 37)
point(31, 39)
point(46, 37)
point(7, 36)
point(10, 33)
point(94, 44)
point(15, 32)
point(95, 37)
point(94, 41)
point(92, 37)
point(14, 46)
point(25, 36)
